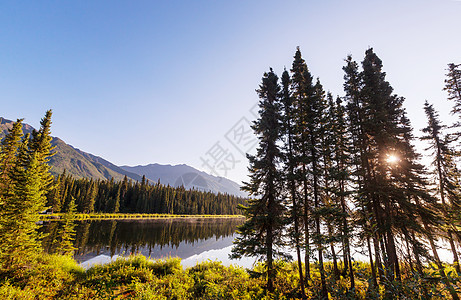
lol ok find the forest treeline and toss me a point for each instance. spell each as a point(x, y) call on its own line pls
point(334, 172)
point(128, 196)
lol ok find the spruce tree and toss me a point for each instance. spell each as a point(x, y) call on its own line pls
point(309, 107)
point(302, 90)
point(380, 131)
point(360, 173)
point(41, 145)
point(382, 110)
point(453, 88)
point(291, 167)
point(442, 163)
point(337, 174)
point(19, 237)
point(8, 158)
point(262, 233)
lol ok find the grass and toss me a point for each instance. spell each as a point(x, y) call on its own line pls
point(133, 216)
point(137, 277)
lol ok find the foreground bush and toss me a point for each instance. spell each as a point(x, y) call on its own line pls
point(136, 277)
point(50, 276)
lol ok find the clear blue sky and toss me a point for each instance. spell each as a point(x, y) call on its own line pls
point(140, 82)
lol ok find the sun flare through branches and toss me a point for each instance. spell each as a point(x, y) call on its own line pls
point(392, 159)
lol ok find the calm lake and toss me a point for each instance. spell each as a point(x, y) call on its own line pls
point(193, 240)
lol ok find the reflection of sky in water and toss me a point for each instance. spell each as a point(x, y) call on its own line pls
point(191, 254)
point(221, 255)
point(219, 250)
point(156, 239)
point(183, 250)
point(214, 249)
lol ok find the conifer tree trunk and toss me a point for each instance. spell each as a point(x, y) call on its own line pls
point(269, 255)
point(419, 265)
point(297, 241)
point(346, 245)
point(317, 220)
point(291, 162)
point(378, 262)
point(372, 265)
point(306, 229)
point(333, 254)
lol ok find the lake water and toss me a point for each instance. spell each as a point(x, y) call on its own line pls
point(192, 240)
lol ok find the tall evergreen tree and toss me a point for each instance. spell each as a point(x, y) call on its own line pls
point(453, 88)
point(309, 105)
point(8, 158)
point(382, 111)
point(262, 233)
point(41, 145)
point(291, 166)
point(385, 165)
point(442, 162)
point(361, 173)
point(19, 237)
point(339, 178)
point(302, 90)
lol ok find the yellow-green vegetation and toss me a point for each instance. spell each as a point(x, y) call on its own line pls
point(121, 216)
point(136, 277)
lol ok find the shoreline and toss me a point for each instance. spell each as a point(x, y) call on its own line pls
point(131, 216)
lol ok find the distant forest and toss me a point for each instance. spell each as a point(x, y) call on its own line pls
point(128, 196)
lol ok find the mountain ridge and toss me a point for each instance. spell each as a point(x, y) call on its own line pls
point(81, 164)
point(187, 176)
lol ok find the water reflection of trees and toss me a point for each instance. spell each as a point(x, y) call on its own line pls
point(130, 236)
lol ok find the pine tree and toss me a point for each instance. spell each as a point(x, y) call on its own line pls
point(19, 237)
point(55, 195)
point(41, 145)
point(261, 234)
point(381, 113)
point(442, 162)
point(90, 199)
point(380, 131)
point(453, 88)
point(114, 202)
point(361, 173)
point(309, 105)
point(337, 150)
point(302, 90)
point(316, 131)
point(291, 165)
point(8, 158)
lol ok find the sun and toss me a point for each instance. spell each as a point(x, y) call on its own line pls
point(392, 159)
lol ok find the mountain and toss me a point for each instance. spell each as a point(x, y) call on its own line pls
point(187, 176)
point(81, 164)
point(84, 165)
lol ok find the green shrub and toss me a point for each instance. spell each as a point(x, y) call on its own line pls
point(212, 280)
